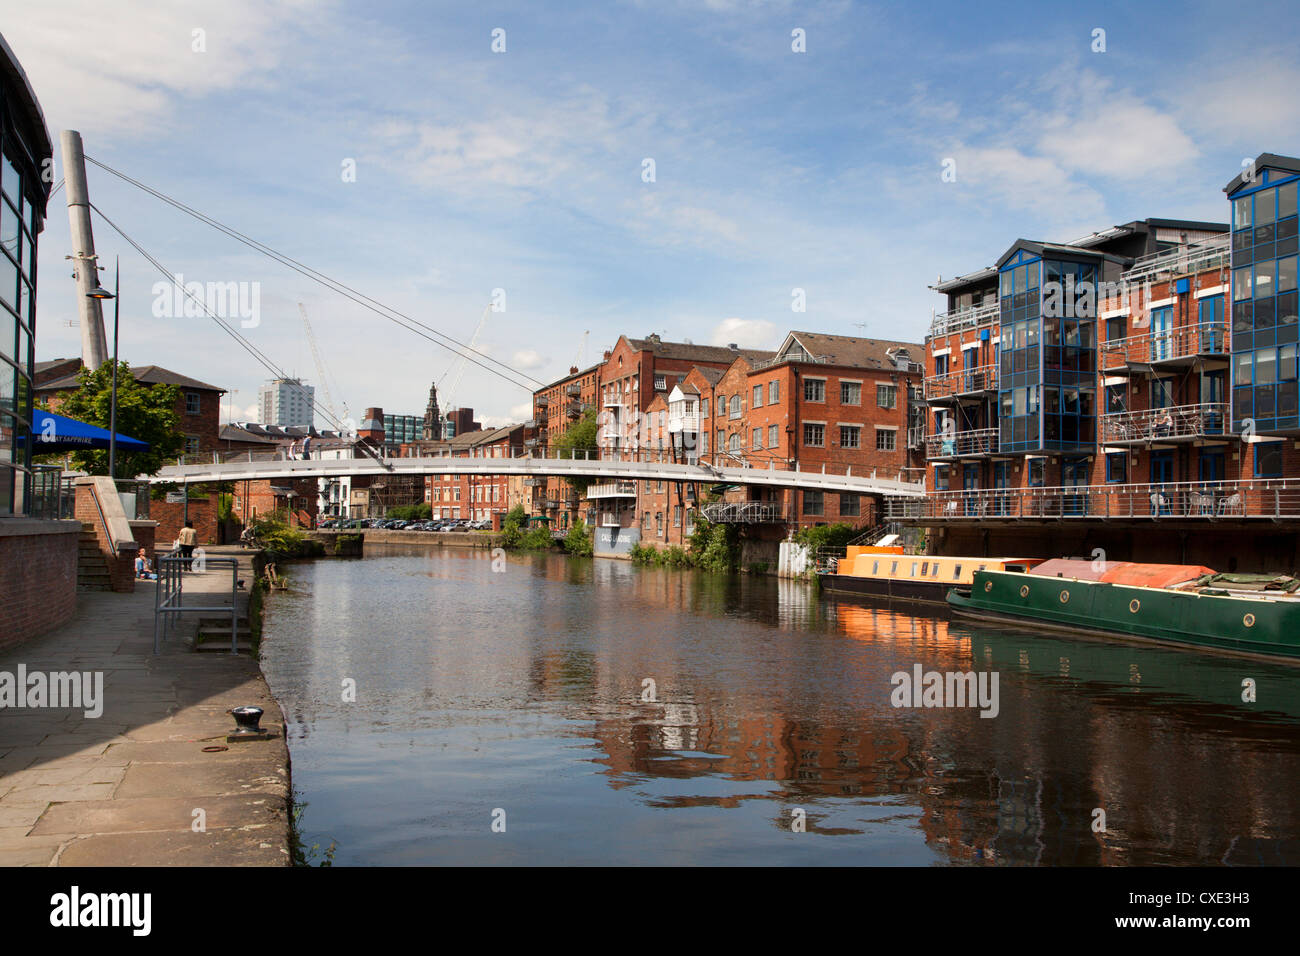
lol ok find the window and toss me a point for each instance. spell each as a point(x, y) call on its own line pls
point(191, 403)
point(887, 396)
point(191, 444)
point(850, 436)
point(886, 439)
point(704, 443)
point(814, 503)
point(735, 406)
point(814, 436)
point(733, 443)
point(773, 391)
point(661, 383)
point(850, 393)
point(1268, 459)
point(850, 506)
point(758, 396)
point(1117, 467)
point(722, 441)
point(704, 407)
point(771, 436)
point(757, 441)
point(814, 390)
point(659, 523)
point(722, 406)
point(677, 516)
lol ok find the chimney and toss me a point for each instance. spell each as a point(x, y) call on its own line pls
point(733, 346)
point(573, 370)
point(653, 337)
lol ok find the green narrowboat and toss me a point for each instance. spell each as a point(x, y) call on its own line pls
point(1188, 605)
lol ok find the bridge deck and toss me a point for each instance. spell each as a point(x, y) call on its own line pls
point(538, 467)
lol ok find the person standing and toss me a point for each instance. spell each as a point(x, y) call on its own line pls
point(306, 447)
point(188, 539)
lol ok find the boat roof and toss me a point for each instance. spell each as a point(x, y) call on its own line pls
point(1131, 573)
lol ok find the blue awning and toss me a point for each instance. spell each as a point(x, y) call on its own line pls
point(57, 433)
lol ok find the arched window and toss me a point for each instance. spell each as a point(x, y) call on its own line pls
point(735, 406)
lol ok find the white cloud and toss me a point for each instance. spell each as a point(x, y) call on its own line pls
point(100, 71)
point(528, 359)
point(747, 333)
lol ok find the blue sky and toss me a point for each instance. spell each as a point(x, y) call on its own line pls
point(522, 170)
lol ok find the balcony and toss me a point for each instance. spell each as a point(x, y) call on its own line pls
point(684, 423)
point(743, 512)
point(1189, 500)
point(1180, 261)
point(612, 489)
point(963, 382)
point(1177, 423)
point(1181, 346)
point(979, 441)
point(958, 320)
point(573, 390)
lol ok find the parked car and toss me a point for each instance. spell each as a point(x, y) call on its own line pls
point(482, 524)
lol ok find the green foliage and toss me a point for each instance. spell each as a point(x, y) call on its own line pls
point(226, 507)
point(146, 412)
point(344, 543)
point(299, 852)
point(675, 557)
point(578, 441)
point(648, 555)
point(416, 512)
point(537, 539)
point(282, 541)
point(578, 541)
point(644, 554)
point(758, 567)
point(826, 536)
point(716, 547)
point(512, 527)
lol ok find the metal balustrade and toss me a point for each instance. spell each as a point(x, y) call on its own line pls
point(1164, 424)
point(1165, 345)
point(957, 320)
point(612, 489)
point(967, 381)
point(1200, 500)
point(980, 441)
point(743, 512)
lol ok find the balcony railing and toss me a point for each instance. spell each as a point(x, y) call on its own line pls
point(1278, 498)
point(1181, 260)
point(957, 320)
point(1164, 424)
point(743, 512)
point(684, 423)
point(573, 389)
point(805, 357)
point(980, 441)
point(967, 381)
point(1166, 345)
point(612, 489)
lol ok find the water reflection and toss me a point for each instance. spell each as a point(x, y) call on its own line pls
point(527, 690)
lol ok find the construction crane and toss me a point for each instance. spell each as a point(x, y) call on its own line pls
point(320, 370)
point(461, 362)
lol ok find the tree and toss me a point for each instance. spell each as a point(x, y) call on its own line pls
point(146, 412)
point(579, 438)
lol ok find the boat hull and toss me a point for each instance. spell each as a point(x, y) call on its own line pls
point(888, 589)
point(1212, 622)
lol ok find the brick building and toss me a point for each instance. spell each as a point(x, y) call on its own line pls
point(198, 406)
point(477, 497)
point(556, 407)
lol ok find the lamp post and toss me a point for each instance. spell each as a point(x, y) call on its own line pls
point(99, 292)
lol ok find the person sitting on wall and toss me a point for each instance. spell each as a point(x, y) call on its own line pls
point(142, 568)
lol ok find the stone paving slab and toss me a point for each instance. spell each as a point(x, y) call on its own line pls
point(120, 789)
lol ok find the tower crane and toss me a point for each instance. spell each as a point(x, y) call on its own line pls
point(462, 360)
point(320, 370)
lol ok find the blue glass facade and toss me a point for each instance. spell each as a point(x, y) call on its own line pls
point(1265, 389)
point(1048, 357)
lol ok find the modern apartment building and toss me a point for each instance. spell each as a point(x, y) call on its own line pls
point(287, 401)
point(1144, 373)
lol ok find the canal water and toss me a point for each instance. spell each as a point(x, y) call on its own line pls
point(592, 712)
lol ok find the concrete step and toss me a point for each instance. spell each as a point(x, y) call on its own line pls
point(217, 636)
point(216, 647)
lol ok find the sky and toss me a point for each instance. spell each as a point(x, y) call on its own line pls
point(389, 146)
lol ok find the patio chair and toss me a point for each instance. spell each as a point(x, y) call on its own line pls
point(1231, 504)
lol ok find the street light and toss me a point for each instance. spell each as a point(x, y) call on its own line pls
point(99, 292)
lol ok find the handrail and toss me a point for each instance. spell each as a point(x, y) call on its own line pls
point(169, 594)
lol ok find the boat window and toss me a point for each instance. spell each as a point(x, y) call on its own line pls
point(956, 572)
point(875, 567)
point(935, 572)
point(925, 569)
point(894, 569)
point(914, 568)
point(983, 566)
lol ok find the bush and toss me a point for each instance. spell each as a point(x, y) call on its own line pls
point(578, 541)
point(282, 541)
point(645, 555)
point(512, 527)
point(826, 536)
point(716, 547)
point(537, 539)
point(675, 557)
point(418, 512)
point(758, 567)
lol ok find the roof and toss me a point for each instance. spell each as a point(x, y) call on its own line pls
point(237, 433)
point(28, 105)
point(570, 377)
point(690, 352)
point(709, 373)
point(1285, 163)
point(145, 374)
point(851, 350)
point(1059, 248)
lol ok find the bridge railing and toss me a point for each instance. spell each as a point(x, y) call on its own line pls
point(627, 455)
